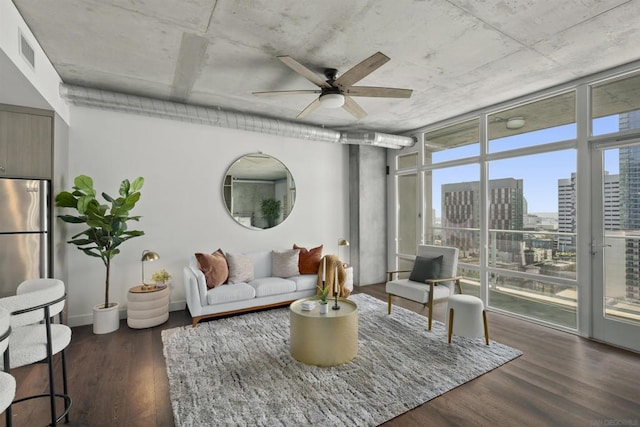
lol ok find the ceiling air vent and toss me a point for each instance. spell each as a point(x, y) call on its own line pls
point(27, 51)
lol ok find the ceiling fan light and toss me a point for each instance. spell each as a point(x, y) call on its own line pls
point(332, 100)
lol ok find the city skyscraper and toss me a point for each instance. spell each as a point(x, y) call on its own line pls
point(567, 213)
point(629, 159)
point(461, 209)
point(567, 208)
point(611, 202)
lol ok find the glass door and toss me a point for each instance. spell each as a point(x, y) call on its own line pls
point(615, 245)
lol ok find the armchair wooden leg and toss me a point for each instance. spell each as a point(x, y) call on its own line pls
point(486, 327)
point(430, 306)
point(389, 308)
point(449, 333)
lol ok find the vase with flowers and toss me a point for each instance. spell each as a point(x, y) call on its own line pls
point(161, 278)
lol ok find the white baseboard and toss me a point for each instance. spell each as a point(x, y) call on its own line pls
point(87, 319)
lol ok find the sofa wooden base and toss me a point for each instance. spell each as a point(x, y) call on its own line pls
point(196, 319)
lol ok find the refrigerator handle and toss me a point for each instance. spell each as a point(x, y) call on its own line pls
point(44, 205)
point(44, 254)
point(44, 224)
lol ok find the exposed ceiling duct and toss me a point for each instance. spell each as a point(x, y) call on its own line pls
point(376, 139)
point(99, 98)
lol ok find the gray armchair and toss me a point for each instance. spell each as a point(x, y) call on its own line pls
point(436, 286)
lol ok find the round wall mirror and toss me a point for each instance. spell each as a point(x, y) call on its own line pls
point(259, 191)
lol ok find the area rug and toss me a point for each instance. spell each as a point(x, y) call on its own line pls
point(238, 370)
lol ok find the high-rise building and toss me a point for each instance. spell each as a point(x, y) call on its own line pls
point(567, 208)
point(567, 213)
point(611, 202)
point(461, 209)
point(629, 158)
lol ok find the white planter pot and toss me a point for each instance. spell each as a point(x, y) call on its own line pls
point(106, 320)
point(324, 308)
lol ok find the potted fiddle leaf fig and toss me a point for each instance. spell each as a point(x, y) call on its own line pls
point(105, 230)
point(271, 209)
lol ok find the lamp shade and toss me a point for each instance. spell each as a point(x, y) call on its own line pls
point(148, 255)
point(332, 100)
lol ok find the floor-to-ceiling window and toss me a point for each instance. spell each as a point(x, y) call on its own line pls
point(531, 163)
point(506, 185)
point(615, 250)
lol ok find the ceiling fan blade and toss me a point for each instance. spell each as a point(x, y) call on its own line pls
point(286, 92)
point(354, 108)
point(362, 70)
point(303, 71)
point(380, 92)
point(309, 109)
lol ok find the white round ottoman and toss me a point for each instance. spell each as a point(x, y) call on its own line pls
point(466, 317)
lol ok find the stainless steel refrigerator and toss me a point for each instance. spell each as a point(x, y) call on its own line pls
point(24, 232)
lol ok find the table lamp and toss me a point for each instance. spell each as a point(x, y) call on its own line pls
point(147, 255)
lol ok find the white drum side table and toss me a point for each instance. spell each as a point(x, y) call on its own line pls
point(147, 307)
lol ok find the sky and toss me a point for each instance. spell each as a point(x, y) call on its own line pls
point(540, 172)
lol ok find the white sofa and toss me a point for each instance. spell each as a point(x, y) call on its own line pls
point(262, 292)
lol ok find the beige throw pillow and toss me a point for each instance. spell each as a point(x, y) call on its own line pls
point(240, 268)
point(285, 263)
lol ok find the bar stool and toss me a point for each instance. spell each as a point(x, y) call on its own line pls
point(470, 317)
point(7, 382)
point(35, 338)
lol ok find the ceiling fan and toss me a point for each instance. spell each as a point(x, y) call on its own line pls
point(337, 91)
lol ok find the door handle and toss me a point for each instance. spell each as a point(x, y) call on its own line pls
point(597, 245)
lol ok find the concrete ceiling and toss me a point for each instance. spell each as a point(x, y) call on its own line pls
point(457, 55)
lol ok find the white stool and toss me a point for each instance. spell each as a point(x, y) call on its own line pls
point(470, 317)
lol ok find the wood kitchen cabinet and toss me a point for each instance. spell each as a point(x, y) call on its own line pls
point(26, 144)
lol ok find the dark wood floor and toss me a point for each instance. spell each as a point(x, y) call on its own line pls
point(119, 379)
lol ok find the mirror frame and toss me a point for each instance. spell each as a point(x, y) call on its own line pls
point(247, 179)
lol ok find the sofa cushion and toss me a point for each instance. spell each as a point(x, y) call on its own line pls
point(214, 267)
point(285, 263)
point(416, 291)
point(272, 286)
point(305, 282)
point(230, 293)
point(261, 264)
point(309, 261)
point(240, 268)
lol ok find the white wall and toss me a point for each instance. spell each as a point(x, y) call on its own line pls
point(15, 69)
point(182, 206)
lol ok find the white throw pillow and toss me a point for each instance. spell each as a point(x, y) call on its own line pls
point(240, 268)
point(285, 263)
